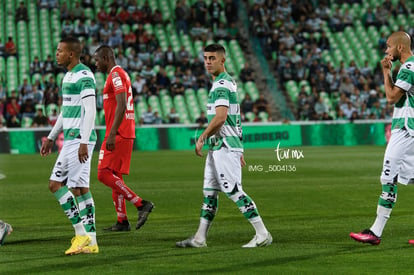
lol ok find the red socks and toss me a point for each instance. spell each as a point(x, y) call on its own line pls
point(120, 192)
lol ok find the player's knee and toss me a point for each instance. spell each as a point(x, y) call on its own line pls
point(103, 175)
point(54, 186)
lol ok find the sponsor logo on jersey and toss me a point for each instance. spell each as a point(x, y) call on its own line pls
point(105, 96)
point(67, 98)
point(117, 81)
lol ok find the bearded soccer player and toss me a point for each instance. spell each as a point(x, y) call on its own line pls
point(398, 164)
point(116, 149)
point(73, 165)
point(222, 172)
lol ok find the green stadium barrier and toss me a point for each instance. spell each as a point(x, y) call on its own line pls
point(177, 137)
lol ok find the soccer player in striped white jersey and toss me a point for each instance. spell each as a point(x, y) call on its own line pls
point(398, 164)
point(73, 165)
point(222, 172)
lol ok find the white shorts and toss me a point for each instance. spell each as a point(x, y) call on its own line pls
point(399, 158)
point(68, 167)
point(222, 171)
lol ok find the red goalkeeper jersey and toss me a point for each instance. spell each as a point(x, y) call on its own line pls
point(118, 82)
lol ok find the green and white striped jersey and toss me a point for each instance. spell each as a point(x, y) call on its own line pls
point(224, 93)
point(77, 84)
point(403, 115)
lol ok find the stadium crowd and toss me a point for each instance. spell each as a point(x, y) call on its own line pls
point(291, 34)
point(138, 51)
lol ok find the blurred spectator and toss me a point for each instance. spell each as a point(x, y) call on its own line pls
point(137, 87)
point(40, 120)
point(21, 12)
point(231, 11)
point(27, 108)
point(87, 4)
point(246, 73)
point(157, 118)
point(346, 86)
point(81, 30)
point(182, 53)
point(202, 119)
point(53, 116)
point(157, 17)
point(177, 87)
point(348, 109)
point(232, 31)
point(121, 60)
point(77, 11)
point(221, 32)
point(2, 48)
point(262, 104)
point(163, 81)
point(64, 12)
point(189, 80)
point(170, 57)
point(148, 72)
point(102, 16)
point(198, 31)
point(94, 45)
point(402, 8)
point(137, 16)
point(49, 65)
point(214, 10)
point(10, 48)
point(130, 39)
point(323, 42)
point(134, 63)
point(173, 116)
point(25, 87)
point(320, 107)
point(148, 116)
point(12, 107)
point(13, 122)
point(123, 16)
point(158, 57)
point(247, 104)
point(369, 18)
point(288, 72)
point(200, 10)
point(182, 14)
point(67, 28)
point(146, 12)
point(36, 66)
point(37, 94)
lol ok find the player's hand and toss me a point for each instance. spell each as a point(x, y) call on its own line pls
point(110, 142)
point(386, 63)
point(242, 161)
point(46, 147)
point(83, 153)
point(199, 146)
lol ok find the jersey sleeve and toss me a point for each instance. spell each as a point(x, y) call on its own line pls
point(87, 84)
point(118, 82)
point(405, 77)
point(222, 97)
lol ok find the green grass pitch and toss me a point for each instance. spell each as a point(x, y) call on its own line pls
point(310, 208)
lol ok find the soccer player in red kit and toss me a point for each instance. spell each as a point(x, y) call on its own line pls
point(116, 149)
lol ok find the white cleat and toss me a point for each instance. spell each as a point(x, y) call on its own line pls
point(191, 242)
point(259, 241)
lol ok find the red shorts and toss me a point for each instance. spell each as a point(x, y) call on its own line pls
point(119, 159)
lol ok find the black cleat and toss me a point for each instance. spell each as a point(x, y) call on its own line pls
point(124, 226)
point(143, 212)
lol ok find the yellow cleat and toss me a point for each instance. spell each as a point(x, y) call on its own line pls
point(78, 243)
point(90, 249)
